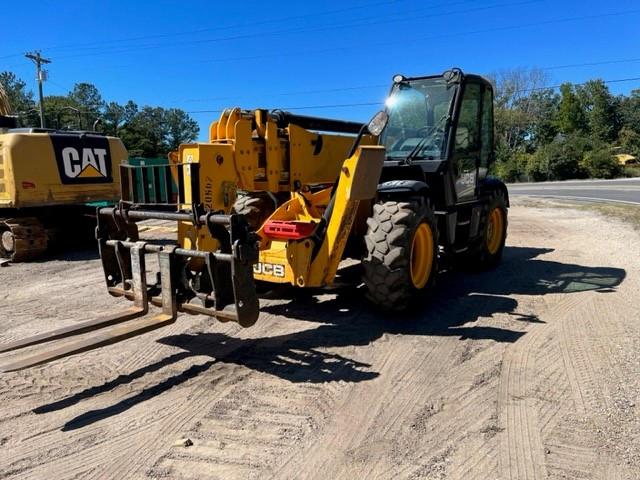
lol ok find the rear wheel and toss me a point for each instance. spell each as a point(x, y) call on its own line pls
point(489, 247)
point(255, 206)
point(402, 253)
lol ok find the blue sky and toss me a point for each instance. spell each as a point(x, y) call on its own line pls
point(207, 55)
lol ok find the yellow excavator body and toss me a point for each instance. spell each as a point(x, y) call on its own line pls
point(47, 178)
point(33, 174)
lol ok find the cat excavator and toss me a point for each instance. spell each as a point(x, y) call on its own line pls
point(280, 198)
point(47, 179)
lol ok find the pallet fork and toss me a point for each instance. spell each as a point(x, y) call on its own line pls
point(224, 288)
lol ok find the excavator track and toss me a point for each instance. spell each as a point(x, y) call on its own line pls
point(22, 239)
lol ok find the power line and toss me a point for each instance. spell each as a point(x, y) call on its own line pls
point(359, 23)
point(592, 64)
point(133, 47)
point(283, 94)
point(344, 105)
point(63, 87)
point(382, 85)
point(555, 87)
point(305, 107)
point(385, 43)
point(414, 39)
point(14, 55)
point(229, 27)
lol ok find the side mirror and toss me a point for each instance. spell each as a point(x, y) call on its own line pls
point(377, 124)
point(374, 127)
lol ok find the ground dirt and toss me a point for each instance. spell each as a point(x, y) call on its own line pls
point(528, 371)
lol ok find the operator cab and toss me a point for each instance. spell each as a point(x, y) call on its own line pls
point(8, 122)
point(443, 125)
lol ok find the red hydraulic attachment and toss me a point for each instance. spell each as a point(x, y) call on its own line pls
point(288, 230)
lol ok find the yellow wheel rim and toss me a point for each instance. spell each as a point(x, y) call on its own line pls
point(494, 230)
point(421, 256)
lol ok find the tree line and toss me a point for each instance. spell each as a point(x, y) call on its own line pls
point(573, 131)
point(542, 133)
point(146, 131)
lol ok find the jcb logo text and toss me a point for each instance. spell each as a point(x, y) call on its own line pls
point(270, 269)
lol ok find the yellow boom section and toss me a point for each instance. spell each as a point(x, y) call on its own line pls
point(249, 151)
point(313, 261)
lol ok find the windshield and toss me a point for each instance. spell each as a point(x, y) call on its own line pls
point(418, 112)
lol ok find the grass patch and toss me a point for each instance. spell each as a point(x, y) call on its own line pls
point(632, 172)
point(627, 213)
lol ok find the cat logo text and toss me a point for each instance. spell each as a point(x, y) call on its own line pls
point(82, 158)
point(90, 162)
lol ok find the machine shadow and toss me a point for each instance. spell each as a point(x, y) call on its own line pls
point(81, 253)
point(341, 318)
point(72, 254)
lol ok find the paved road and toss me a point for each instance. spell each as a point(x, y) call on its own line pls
point(625, 191)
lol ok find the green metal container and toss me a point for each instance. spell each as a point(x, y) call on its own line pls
point(153, 180)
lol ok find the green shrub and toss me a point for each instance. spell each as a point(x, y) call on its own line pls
point(631, 171)
point(560, 159)
point(537, 167)
point(512, 168)
point(601, 163)
point(629, 141)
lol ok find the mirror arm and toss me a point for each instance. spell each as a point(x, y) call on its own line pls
point(356, 142)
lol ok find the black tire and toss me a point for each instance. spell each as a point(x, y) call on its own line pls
point(255, 206)
point(387, 262)
point(480, 256)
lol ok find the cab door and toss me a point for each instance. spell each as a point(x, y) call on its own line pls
point(473, 143)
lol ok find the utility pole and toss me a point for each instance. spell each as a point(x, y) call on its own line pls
point(39, 61)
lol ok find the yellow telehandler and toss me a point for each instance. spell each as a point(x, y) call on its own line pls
point(275, 197)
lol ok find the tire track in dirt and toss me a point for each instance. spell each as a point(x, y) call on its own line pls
point(68, 378)
point(253, 418)
point(521, 447)
point(421, 377)
point(465, 426)
point(578, 354)
point(334, 438)
point(152, 431)
point(575, 392)
point(191, 407)
point(453, 431)
point(551, 385)
point(96, 429)
point(243, 433)
point(120, 443)
point(586, 340)
point(49, 456)
point(480, 464)
point(47, 442)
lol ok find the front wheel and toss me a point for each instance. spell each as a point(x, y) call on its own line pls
point(402, 253)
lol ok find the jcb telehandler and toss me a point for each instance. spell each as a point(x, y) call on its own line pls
point(269, 198)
